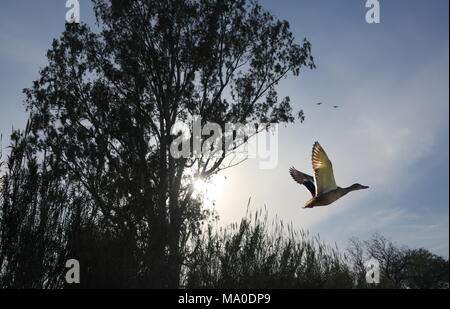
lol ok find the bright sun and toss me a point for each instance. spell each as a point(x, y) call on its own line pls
point(211, 190)
point(199, 185)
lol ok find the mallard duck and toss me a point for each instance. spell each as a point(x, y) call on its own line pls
point(323, 186)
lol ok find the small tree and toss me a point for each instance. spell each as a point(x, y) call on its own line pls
point(426, 270)
point(400, 267)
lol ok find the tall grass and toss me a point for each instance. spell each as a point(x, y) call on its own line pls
point(257, 253)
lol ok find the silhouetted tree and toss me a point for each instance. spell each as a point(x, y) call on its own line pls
point(426, 270)
point(97, 165)
point(392, 260)
point(400, 267)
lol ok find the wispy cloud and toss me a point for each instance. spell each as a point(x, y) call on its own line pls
point(388, 133)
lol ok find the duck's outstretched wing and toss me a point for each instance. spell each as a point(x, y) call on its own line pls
point(303, 179)
point(323, 170)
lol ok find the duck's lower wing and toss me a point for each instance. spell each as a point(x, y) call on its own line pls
point(303, 179)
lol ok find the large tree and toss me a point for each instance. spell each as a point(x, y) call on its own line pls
point(104, 107)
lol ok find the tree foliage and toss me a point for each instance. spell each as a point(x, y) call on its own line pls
point(400, 267)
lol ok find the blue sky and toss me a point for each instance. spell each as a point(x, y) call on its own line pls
point(390, 131)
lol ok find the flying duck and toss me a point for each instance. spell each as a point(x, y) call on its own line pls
point(323, 186)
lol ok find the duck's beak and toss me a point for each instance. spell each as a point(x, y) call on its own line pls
point(364, 187)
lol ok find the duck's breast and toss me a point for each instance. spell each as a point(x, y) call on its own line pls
point(328, 198)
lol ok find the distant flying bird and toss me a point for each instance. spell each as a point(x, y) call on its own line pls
point(323, 186)
point(320, 103)
point(336, 106)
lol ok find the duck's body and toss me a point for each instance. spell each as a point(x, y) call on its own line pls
point(329, 197)
point(323, 186)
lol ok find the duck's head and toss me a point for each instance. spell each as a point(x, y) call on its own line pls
point(358, 186)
